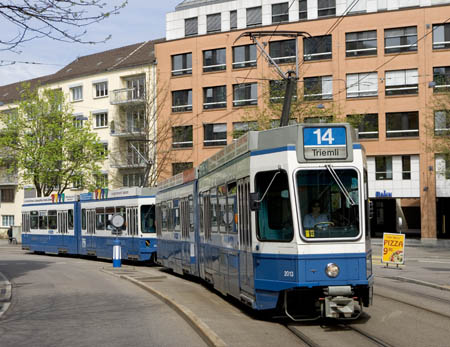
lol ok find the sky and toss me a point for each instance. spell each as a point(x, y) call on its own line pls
point(139, 21)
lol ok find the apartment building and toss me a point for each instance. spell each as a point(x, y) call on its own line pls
point(381, 60)
point(114, 90)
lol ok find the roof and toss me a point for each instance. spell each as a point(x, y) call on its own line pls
point(119, 58)
point(197, 3)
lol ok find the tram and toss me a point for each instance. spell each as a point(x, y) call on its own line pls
point(80, 224)
point(278, 219)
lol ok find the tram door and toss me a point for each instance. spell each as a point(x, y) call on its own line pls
point(62, 228)
point(245, 237)
point(132, 228)
point(90, 237)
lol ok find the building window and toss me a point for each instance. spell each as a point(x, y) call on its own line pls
point(254, 16)
point(383, 168)
point(136, 88)
point(283, 51)
point(317, 48)
point(316, 119)
point(78, 120)
point(318, 88)
point(214, 97)
point(101, 181)
point(215, 134)
point(280, 12)
point(406, 167)
point(447, 168)
point(182, 136)
point(180, 167)
point(244, 56)
point(441, 36)
point(101, 119)
point(214, 60)
point(77, 93)
point(245, 94)
point(441, 78)
point(326, 8)
point(400, 40)
point(303, 9)
point(191, 26)
point(402, 124)
point(241, 128)
point(101, 89)
point(7, 194)
point(367, 125)
point(104, 148)
point(442, 122)
point(77, 183)
point(213, 23)
point(7, 221)
point(361, 43)
point(401, 82)
point(182, 64)
point(133, 179)
point(277, 89)
point(360, 85)
point(136, 121)
point(182, 100)
point(136, 151)
point(233, 19)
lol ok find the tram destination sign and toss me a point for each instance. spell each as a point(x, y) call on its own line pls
point(324, 143)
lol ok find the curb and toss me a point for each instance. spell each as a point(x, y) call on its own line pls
point(5, 294)
point(204, 331)
point(419, 282)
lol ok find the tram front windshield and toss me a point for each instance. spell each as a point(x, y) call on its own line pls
point(329, 203)
point(148, 219)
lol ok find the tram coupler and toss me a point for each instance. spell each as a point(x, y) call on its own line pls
point(339, 302)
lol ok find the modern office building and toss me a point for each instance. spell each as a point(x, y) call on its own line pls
point(114, 90)
point(383, 62)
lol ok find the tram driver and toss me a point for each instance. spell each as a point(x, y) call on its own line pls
point(315, 217)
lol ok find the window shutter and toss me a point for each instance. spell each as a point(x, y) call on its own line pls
point(233, 20)
point(213, 23)
point(254, 16)
point(190, 26)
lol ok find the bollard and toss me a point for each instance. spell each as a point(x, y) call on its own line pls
point(117, 254)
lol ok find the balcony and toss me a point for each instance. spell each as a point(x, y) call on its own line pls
point(127, 130)
point(128, 161)
point(7, 179)
point(127, 96)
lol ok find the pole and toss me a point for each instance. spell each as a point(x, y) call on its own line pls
point(291, 80)
point(117, 253)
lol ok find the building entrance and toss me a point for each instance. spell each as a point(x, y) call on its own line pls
point(443, 218)
point(383, 220)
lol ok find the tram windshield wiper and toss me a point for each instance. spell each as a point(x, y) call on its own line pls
point(340, 185)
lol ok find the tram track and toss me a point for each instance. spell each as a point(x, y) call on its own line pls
point(338, 334)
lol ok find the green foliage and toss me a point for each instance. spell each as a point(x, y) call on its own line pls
point(51, 150)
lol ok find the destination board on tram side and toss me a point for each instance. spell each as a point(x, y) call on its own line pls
point(323, 143)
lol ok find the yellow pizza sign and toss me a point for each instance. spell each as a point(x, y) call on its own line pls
point(393, 248)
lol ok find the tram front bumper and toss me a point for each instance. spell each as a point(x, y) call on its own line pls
point(339, 302)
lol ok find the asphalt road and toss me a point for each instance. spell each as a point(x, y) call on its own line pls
point(69, 302)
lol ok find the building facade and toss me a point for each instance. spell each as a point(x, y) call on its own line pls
point(115, 91)
point(382, 62)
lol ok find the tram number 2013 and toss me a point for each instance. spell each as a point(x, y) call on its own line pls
point(288, 273)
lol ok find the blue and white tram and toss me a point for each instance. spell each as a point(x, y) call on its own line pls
point(280, 222)
point(80, 224)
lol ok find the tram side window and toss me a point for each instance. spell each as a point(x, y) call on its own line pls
point(274, 217)
point(191, 213)
point(70, 219)
point(52, 219)
point(99, 218)
point(123, 212)
point(83, 219)
point(176, 215)
point(213, 209)
point(109, 213)
point(148, 219)
point(43, 220)
point(158, 220)
point(231, 207)
point(34, 220)
point(201, 212)
point(222, 217)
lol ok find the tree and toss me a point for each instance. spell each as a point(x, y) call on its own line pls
point(61, 20)
point(49, 147)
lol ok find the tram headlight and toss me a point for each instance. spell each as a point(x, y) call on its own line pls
point(332, 270)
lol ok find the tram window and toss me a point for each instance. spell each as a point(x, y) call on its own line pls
point(191, 213)
point(337, 211)
point(275, 216)
point(123, 212)
point(70, 219)
point(83, 219)
point(222, 217)
point(109, 213)
point(148, 219)
point(176, 215)
point(201, 212)
point(52, 219)
point(164, 217)
point(43, 220)
point(34, 220)
point(99, 218)
point(231, 207)
point(213, 209)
